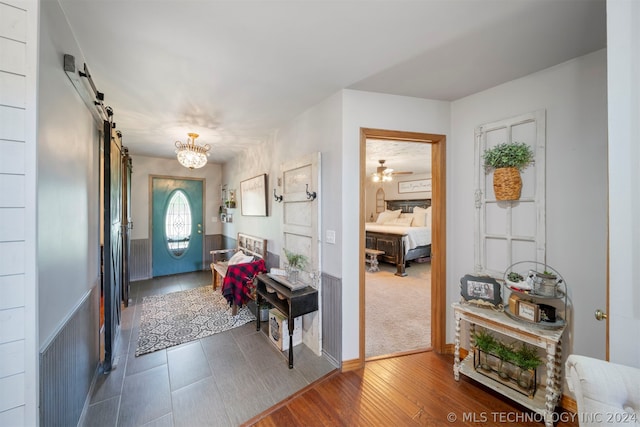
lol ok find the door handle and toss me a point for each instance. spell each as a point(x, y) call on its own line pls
point(600, 315)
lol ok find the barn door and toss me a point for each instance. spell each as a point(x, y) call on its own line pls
point(300, 225)
point(127, 223)
point(112, 240)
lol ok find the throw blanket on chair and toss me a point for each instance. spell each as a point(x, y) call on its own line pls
point(237, 284)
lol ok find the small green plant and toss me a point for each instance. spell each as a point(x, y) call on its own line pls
point(508, 155)
point(485, 341)
point(515, 277)
point(526, 357)
point(505, 353)
point(295, 260)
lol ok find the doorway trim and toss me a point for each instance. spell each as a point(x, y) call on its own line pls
point(438, 237)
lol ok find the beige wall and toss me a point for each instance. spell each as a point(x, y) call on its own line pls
point(144, 166)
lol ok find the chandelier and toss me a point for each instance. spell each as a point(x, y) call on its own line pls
point(192, 155)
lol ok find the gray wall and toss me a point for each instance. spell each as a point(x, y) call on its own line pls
point(68, 181)
point(574, 95)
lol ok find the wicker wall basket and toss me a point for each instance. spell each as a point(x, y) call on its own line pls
point(507, 183)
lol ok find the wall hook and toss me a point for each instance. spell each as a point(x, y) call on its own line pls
point(312, 195)
point(276, 197)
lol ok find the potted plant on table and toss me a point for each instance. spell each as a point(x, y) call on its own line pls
point(546, 283)
point(526, 358)
point(507, 160)
point(485, 343)
point(506, 354)
point(296, 262)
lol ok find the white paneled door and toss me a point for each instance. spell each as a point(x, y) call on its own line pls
point(300, 225)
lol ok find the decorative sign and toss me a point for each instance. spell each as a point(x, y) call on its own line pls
point(417, 186)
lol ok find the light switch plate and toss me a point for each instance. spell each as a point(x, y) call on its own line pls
point(331, 237)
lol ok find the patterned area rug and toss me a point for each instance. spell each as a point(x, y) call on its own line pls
point(179, 317)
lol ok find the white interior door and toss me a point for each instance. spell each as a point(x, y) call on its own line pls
point(300, 225)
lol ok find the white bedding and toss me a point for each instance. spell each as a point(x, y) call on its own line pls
point(414, 236)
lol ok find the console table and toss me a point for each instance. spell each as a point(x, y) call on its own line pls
point(547, 339)
point(290, 303)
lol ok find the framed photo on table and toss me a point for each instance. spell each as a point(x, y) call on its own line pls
point(253, 196)
point(481, 290)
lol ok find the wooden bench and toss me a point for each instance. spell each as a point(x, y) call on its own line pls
point(250, 245)
point(372, 259)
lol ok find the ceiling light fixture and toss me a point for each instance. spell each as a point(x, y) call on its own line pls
point(192, 155)
point(382, 174)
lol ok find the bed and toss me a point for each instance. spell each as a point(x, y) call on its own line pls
point(401, 240)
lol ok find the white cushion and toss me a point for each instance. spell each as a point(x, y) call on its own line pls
point(240, 258)
point(387, 216)
point(422, 217)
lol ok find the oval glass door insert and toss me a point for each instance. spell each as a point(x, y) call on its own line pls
point(178, 224)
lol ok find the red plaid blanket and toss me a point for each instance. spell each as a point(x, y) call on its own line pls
point(237, 284)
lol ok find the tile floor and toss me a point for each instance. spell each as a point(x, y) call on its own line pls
point(221, 380)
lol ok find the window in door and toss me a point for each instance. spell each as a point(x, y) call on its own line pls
point(178, 224)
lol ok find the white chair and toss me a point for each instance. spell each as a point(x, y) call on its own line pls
point(607, 394)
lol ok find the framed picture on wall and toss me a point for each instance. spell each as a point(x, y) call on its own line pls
point(253, 196)
point(415, 186)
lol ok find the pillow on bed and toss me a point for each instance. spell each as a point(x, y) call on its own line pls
point(387, 216)
point(405, 221)
point(240, 258)
point(422, 217)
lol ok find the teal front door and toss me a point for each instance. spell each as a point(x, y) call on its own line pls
point(176, 225)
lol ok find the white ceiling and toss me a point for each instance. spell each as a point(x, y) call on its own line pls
point(235, 71)
point(400, 156)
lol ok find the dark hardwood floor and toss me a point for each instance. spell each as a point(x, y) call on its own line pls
point(416, 389)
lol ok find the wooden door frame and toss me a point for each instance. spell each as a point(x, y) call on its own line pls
point(438, 234)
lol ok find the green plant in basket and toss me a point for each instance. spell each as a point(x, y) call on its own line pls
point(508, 155)
point(507, 160)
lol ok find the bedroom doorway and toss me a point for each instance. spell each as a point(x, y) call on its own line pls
point(419, 185)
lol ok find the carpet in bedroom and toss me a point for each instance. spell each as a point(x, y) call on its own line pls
point(398, 310)
point(179, 317)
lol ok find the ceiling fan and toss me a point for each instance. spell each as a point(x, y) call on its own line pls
point(384, 173)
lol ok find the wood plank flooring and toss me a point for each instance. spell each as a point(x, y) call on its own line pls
point(416, 389)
